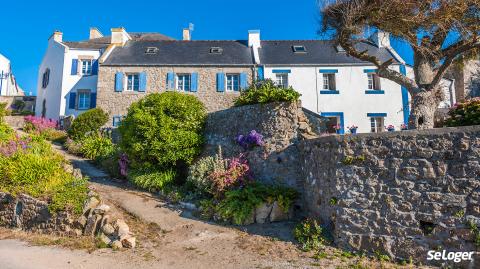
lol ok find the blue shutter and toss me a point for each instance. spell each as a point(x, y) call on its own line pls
point(95, 67)
point(243, 81)
point(142, 82)
point(72, 100)
point(260, 73)
point(220, 82)
point(93, 100)
point(74, 67)
point(170, 80)
point(119, 82)
point(194, 86)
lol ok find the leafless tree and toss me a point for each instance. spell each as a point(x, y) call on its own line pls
point(439, 31)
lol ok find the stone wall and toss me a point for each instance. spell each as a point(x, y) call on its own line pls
point(282, 125)
point(117, 103)
point(400, 193)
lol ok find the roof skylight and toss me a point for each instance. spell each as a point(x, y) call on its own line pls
point(299, 49)
point(216, 50)
point(151, 50)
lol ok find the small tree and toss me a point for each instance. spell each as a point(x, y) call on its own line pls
point(87, 123)
point(439, 31)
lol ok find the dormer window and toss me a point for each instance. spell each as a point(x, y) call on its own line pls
point(216, 50)
point(151, 50)
point(299, 49)
point(340, 48)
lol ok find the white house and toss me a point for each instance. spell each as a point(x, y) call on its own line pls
point(8, 83)
point(68, 74)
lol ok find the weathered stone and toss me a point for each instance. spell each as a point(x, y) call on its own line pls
point(121, 228)
point(68, 168)
point(250, 219)
point(128, 242)
point(101, 209)
point(116, 245)
point(77, 173)
point(278, 213)
point(81, 222)
point(105, 239)
point(91, 203)
point(262, 213)
point(108, 229)
point(92, 225)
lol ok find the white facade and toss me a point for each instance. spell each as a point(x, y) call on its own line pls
point(59, 85)
point(352, 103)
point(8, 83)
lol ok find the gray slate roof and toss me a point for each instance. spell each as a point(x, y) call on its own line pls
point(103, 42)
point(318, 52)
point(182, 53)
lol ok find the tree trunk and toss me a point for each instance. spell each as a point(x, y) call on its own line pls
point(424, 106)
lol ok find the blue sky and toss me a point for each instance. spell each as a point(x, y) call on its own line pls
point(28, 24)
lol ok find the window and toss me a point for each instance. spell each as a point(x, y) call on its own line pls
point(331, 123)
point(376, 124)
point(329, 82)
point(299, 49)
point(183, 82)
point(116, 121)
point(86, 67)
point(133, 82)
point(151, 50)
point(233, 82)
point(373, 81)
point(216, 50)
point(83, 101)
point(45, 78)
point(282, 80)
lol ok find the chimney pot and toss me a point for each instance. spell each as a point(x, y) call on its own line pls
point(254, 39)
point(187, 34)
point(119, 36)
point(57, 36)
point(95, 33)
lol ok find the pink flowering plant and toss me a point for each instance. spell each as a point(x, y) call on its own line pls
point(237, 174)
point(337, 127)
point(251, 140)
point(390, 127)
point(38, 124)
point(404, 126)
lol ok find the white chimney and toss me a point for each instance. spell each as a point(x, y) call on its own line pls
point(57, 36)
point(381, 39)
point(187, 35)
point(120, 36)
point(95, 33)
point(254, 39)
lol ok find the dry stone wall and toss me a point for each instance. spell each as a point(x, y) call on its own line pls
point(400, 194)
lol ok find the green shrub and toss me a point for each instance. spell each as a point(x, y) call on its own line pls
point(96, 146)
point(3, 111)
point(109, 163)
point(199, 172)
point(309, 234)
point(163, 130)
point(266, 92)
point(238, 205)
point(151, 179)
point(73, 147)
point(465, 114)
point(88, 122)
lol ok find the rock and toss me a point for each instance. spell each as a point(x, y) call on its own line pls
point(277, 213)
point(77, 173)
point(101, 209)
point(92, 225)
point(77, 232)
point(105, 239)
point(262, 213)
point(116, 245)
point(129, 242)
point(68, 168)
point(108, 229)
point(80, 222)
point(121, 228)
point(91, 203)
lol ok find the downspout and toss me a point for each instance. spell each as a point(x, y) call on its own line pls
point(316, 89)
point(1, 83)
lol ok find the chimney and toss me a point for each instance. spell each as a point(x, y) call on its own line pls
point(187, 36)
point(95, 33)
point(57, 36)
point(381, 39)
point(254, 39)
point(120, 36)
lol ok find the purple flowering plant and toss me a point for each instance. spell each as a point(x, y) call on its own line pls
point(250, 140)
point(123, 164)
point(15, 145)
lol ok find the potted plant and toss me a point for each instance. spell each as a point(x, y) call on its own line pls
point(404, 127)
point(337, 128)
point(390, 128)
point(353, 129)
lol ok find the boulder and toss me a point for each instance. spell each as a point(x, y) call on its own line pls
point(128, 242)
point(278, 214)
point(116, 245)
point(77, 173)
point(68, 168)
point(105, 239)
point(91, 203)
point(263, 212)
point(108, 229)
point(121, 228)
point(92, 225)
point(80, 222)
point(101, 209)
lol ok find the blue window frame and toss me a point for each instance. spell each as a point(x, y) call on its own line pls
point(340, 119)
point(116, 121)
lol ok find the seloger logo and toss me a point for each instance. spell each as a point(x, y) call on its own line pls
point(449, 256)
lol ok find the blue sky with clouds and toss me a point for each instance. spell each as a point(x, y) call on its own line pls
point(28, 24)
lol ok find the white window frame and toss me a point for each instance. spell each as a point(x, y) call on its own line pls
point(230, 86)
point(281, 80)
point(86, 67)
point(130, 86)
point(181, 85)
point(377, 124)
point(327, 81)
point(84, 103)
point(372, 85)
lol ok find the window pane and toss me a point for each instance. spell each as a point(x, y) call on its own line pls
point(325, 82)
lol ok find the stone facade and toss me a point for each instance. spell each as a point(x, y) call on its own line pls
point(401, 193)
point(467, 80)
point(282, 125)
point(117, 103)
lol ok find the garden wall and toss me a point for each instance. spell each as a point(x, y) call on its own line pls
point(401, 193)
point(282, 125)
